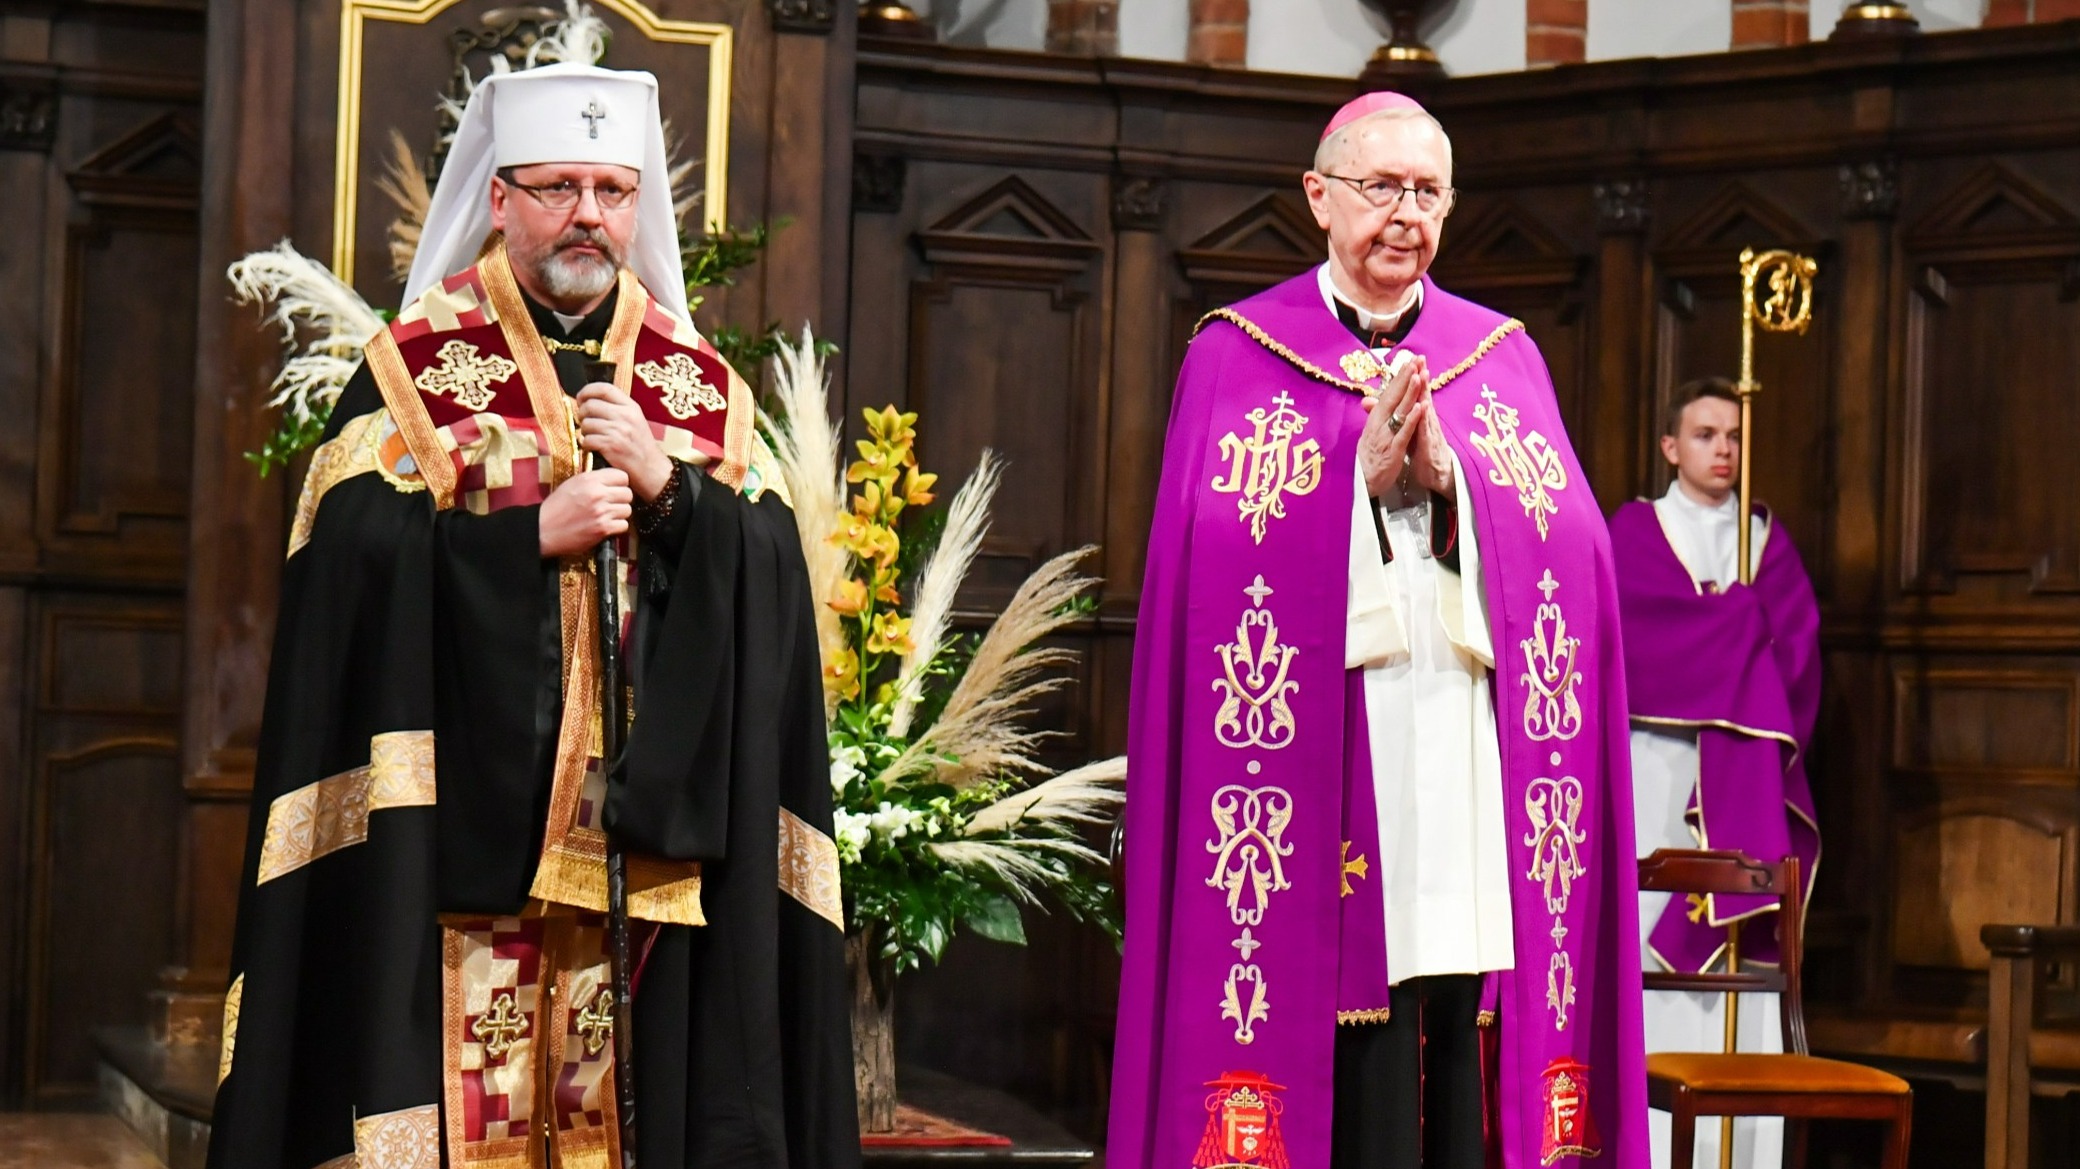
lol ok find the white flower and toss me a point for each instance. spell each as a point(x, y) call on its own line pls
point(846, 764)
point(852, 831)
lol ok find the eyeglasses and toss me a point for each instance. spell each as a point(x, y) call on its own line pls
point(564, 196)
point(1430, 200)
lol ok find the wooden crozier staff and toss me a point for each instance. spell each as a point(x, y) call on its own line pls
point(1787, 309)
point(613, 728)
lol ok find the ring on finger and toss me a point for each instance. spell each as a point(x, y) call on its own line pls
point(1395, 422)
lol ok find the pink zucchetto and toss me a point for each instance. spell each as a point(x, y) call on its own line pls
point(1368, 105)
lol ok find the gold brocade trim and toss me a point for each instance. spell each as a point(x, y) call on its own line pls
point(1486, 347)
point(349, 453)
point(552, 407)
point(232, 998)
point(394, 382)
point(809, 868)
point(454, 1028)
point(622, 331)
point(1720, 724)
point(323, 817)
point(573, 865)
point(1309, 368)
point(1267, 341)
point(1484, 1019)
point(409, 1138)
point(515, 993)
point(1373, 1015)
point(737, 432)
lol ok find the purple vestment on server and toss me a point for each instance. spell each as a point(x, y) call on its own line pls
point(1742, 667)
point(1253, 924)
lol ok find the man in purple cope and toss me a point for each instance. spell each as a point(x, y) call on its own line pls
point(1724, 681)
point(1380, 882)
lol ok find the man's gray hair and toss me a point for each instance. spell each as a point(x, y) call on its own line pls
point(1332, 147)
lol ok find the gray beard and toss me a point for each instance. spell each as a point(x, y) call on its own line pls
point(573, 278)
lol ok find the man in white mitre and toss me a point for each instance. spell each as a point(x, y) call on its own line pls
point(421, 964)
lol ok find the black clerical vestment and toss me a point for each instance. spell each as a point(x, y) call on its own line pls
point(405, 992)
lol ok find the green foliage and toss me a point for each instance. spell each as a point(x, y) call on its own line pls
point(919, 860)
point(292, 435)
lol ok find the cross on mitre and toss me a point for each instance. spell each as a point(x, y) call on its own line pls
point(593, 115)
point(679, 381)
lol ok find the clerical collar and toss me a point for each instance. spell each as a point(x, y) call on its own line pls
point(592, 326)
point(1725, 509)
point(1377, 330)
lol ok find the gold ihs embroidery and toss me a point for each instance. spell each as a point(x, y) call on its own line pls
point(1268, 465)
point(1254, 685)
point(1551, 710)
point(1525, 462)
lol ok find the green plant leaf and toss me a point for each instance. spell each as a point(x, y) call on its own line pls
point(997, 918)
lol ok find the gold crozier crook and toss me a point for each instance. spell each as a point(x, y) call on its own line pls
point(1786, 306)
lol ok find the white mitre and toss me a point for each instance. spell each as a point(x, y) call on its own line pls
point(554, 113)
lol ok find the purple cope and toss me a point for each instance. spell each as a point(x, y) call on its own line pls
point(1742, 667)
point(1253, 927)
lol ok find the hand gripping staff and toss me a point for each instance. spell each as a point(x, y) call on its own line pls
point(613, 728)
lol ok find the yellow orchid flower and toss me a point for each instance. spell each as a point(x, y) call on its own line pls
point(841, 676)
point(891, 634)
point(851, 599)
point(917, 487)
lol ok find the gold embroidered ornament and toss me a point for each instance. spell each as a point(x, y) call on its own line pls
point(1525, 462)
point(465, 374)
point(596, 1021)
point(1254, 684)
point(1551, 710)
point(1249, 866)
point(1362, 366)
point(1268, 465)
point(501, 1027)
point(683, 388)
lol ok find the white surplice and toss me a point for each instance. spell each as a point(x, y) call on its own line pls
point(1664, 781)
point(1420, 633)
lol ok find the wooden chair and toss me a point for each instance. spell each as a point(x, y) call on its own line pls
point(2017, 1049)
point(1794, 1085)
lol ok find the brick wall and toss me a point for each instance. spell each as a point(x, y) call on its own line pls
point(1761, 24)
point(1087, 28)
point(1219, 32)
point(1555, 32)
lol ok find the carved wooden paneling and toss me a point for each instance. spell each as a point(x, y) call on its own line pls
point(2000, 720)
point(114, 452)
point(100, 274)
point(1497, 252)
point(1992, 348)
point(1971, 863)
point(1008, 254)
point(99, 808)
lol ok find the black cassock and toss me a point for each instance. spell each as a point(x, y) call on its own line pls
point(398, 618)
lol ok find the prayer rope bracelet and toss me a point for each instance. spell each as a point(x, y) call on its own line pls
point(652, 514)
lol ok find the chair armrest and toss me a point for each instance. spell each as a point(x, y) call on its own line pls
point(2031, 941)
